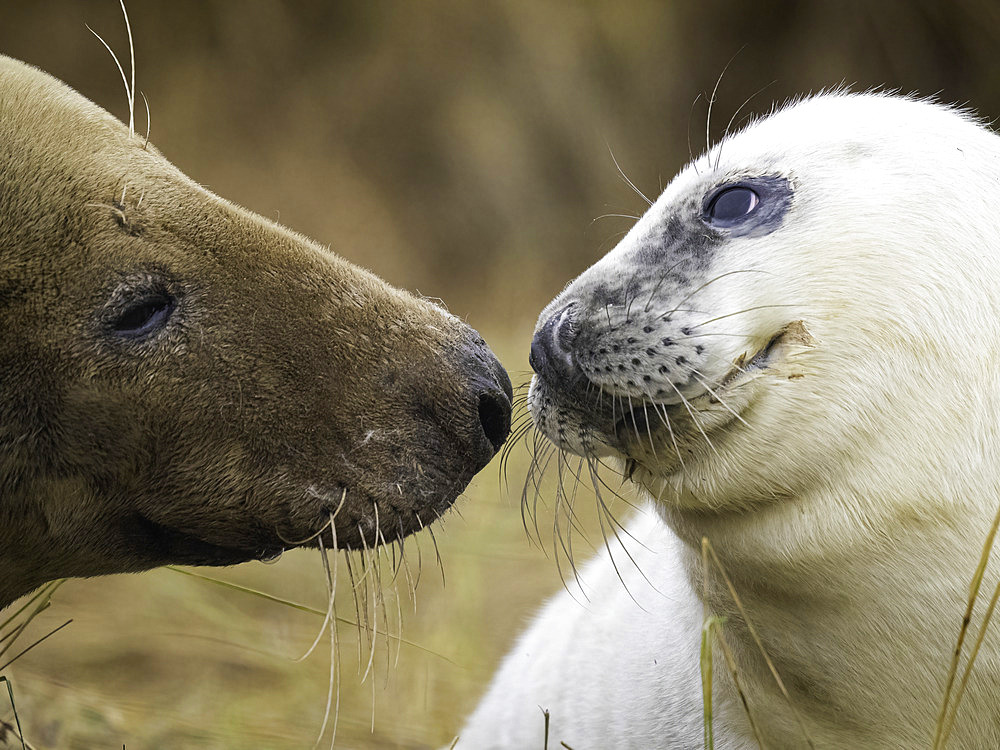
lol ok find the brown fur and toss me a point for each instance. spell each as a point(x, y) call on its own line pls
point(283, 377)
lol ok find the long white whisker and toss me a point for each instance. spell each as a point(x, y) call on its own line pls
point(708, 123)
point(334, 684)
point(709, 282)
point(618, 216)
point(738, 312)
point(131, 87)
point(664, 417)
point(691, 158)
point(625, 177)
point(697, 375)
point(331, 591)
point(121, 70)
point(659, 283)
point(145, 101)
point(694, 419)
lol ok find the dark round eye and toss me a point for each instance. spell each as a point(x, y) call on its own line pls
point(144, 315)
point(732, 204)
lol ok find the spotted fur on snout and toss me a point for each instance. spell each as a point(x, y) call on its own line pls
point(623, 351)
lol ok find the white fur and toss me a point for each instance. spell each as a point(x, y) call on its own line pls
point(850, 504)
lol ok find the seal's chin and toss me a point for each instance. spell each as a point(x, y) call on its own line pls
point(358, 518)
point(162, 542)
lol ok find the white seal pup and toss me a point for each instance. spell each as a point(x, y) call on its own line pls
point(795, 353)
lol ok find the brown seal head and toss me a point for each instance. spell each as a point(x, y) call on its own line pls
point(184, 381)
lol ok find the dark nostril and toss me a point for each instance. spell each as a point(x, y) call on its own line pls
point(494, 416)
point(536, 356)
point(551, 352)
point(490, 393)
point(564, 333)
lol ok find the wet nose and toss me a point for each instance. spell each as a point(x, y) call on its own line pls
point(551, 354)
point(489, 386)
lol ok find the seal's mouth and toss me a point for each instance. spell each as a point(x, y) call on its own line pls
point(759, 361)
point(643, 417)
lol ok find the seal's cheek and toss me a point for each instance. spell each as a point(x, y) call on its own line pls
point(253, 424)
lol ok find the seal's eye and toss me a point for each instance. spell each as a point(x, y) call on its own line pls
point(144, 315)
point(752, 206)
point(730, 205)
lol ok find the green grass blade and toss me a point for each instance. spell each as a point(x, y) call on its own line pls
point(712, 624)
point(17, 721)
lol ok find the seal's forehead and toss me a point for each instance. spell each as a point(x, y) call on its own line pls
point(846, 125)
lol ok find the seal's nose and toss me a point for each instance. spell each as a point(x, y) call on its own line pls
point(490, 386)
point(494, 417)
point(551, 354)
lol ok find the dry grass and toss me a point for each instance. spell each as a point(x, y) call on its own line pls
point(12, 631)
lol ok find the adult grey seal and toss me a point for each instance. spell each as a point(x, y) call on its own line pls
point(183, 381)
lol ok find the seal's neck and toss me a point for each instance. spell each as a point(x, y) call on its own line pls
point(23, 567)
point(858, 615)
point(16, 578)
point(30, 555)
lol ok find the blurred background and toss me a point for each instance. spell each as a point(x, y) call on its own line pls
point(464, 150)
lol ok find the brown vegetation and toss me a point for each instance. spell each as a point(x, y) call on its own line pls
point(462, 150)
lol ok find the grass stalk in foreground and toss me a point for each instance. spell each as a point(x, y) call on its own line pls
point(6, 726)
point(708, 553)
point(946, 719)
point(712, 625)
point(11, 630)
point(296, 605)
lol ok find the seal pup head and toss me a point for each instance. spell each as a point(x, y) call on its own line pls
point(184, 381)
point(816, 292)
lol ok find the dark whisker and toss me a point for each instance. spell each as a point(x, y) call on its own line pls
point(605, 512)
point(561, 501)
point(615, 525)
point(544, 454)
